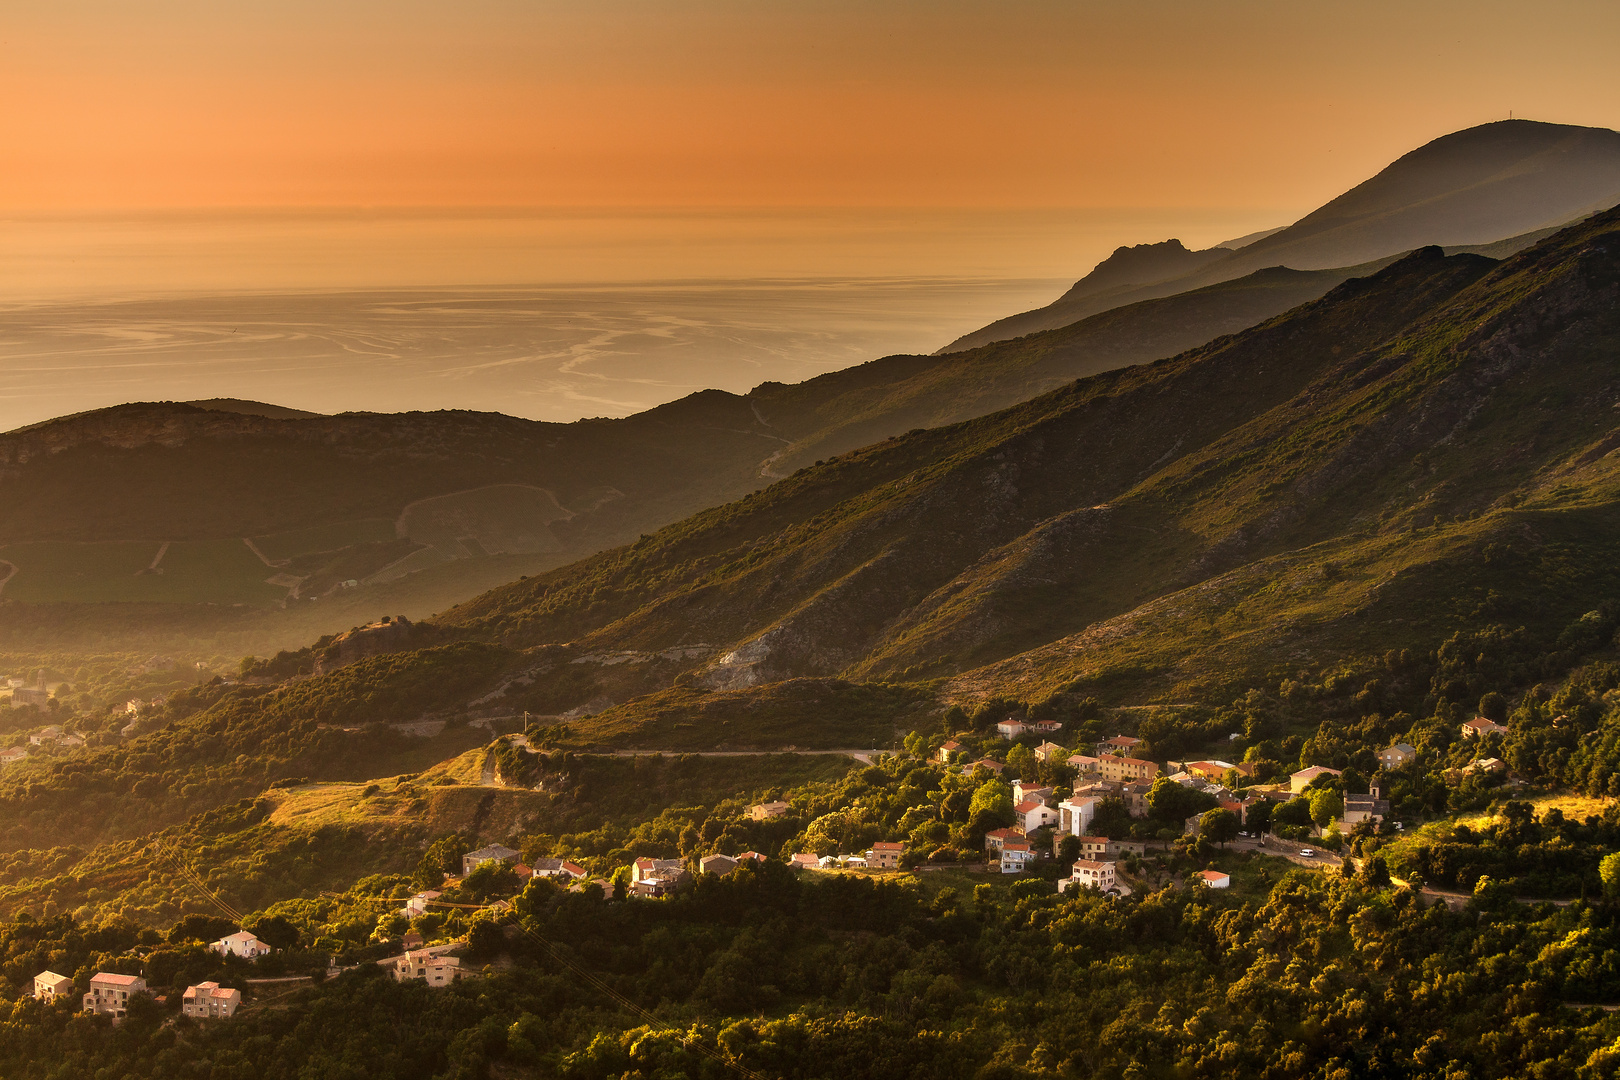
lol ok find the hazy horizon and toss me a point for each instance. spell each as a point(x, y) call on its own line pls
point(547, 314)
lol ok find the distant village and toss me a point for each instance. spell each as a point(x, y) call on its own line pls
point(1045, 826)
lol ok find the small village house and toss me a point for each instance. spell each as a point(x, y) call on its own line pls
point(1301, 780)
point(1214, 879)
point(885, 855)
point(1046, 727)
point(1049, 751)
point(1023, 791)
point(1119, 745)
point(1480, 728)
point(427, 966)
point(1397, 756)
point(418, 904)
point(558, 870)
point(718, 865)
point(993, 767)
point(110, 993)
point(1084, 764)
point(493, 853)
point(949, 748)
point(996, 837)
point(1095, 848)
point(241, 944)
point(211, 1001)
point(1121, 769)
point(1091, 874)
point(49, 986)
point(1015, 855)
point(1033, 814)
point(767, 810)
point(1011, 729)
point(13, 755)
point(1076, 813)
point(1368, 807)
point(45, 735)
point(804, 861)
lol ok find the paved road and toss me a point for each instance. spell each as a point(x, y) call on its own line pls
point(863, 756)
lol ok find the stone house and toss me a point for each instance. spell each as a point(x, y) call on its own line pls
point(493, 853)
point(49, 986)
point(209, 1000)
point(885, 855)
point(427, 966)
point(110, 993)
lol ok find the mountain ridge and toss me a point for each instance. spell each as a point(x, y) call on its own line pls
point(1466, 188)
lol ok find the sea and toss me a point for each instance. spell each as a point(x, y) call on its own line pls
point(547, 314)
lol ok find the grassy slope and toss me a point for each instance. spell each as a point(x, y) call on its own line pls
point(298, 841)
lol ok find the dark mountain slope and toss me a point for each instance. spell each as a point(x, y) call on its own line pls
point(1446, 386)
point(837, 412)
point(172, 471)
point(1471, 187)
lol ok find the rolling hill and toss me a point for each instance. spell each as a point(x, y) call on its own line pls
point(1510, 179)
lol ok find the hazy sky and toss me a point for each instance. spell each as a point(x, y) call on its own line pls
point(1273, 106)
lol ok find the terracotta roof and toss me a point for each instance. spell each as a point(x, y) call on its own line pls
point(1213, 875)
point(888, 845)
point(115, 980)
point(1027, 805)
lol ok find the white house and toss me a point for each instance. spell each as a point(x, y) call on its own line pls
point(418, 904)
point(1090, 874)
point(950, 746)
point(49, 986)
point(1011, 729)
point(241, 944)
point(1015, 855)
point(1075, 814)
point(1033, 814)
point(209, 1000)
point(1214, 879)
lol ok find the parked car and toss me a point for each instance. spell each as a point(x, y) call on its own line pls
point(1307, 853)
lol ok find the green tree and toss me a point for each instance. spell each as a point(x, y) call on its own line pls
point(1218, 826)
point(1295, 812)
point(1326, 806)
point(1021, 760)
point(1609, 871)
point(442, 857)
point(1069, 848)
point(991, 808)
point(1258, 816)
point(1171, 803)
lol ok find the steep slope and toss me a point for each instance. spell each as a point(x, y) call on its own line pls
point(846, 409)
point(1473, 187)
point(1449, 387)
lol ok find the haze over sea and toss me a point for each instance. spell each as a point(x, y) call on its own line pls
point(551, 315)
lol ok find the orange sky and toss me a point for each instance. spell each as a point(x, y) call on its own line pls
point(118, 105)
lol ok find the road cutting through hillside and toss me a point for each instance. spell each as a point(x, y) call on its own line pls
point(862, 756)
